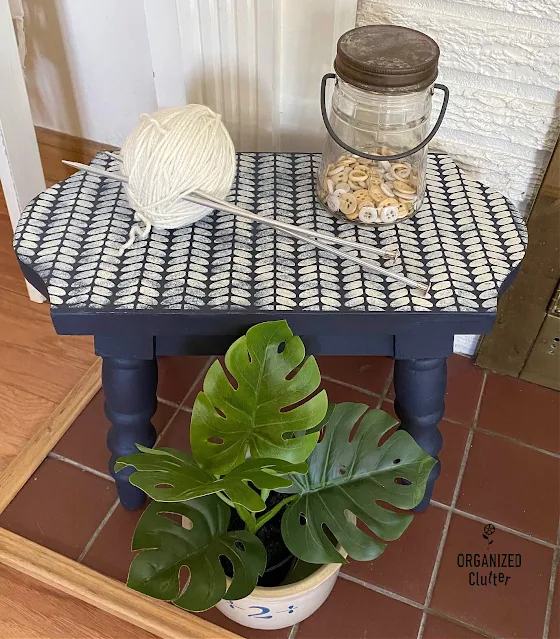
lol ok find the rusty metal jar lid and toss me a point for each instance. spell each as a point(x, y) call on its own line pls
point(387, 59)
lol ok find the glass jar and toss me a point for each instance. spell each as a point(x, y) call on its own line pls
point(373, 168)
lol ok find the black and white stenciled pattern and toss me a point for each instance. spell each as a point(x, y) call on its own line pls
point(465, 240)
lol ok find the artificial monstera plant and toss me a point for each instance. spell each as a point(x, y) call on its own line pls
point(257, 428)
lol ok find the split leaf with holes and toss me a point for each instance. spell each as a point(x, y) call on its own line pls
point(168, 475)
point(167, 546)
point(255, 429)
point(269, 411)
point(355, 477)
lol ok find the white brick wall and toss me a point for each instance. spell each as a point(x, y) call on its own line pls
point(500, 59)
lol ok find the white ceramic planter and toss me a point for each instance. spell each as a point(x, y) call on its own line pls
point(282, 606)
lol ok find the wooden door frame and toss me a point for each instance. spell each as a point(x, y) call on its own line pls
point(21, 173)
point(522, 309)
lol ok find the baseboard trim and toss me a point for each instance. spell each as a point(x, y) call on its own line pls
point(67, 142)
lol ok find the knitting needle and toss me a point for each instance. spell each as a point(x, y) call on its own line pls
point(425, 288)
point(221, 204)
point(198, 197)
point(204, 200)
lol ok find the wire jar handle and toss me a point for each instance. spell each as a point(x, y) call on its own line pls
point(380, 158)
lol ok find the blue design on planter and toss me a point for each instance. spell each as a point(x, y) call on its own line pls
point(289, 610)
point(263, 614)
point(231, 605)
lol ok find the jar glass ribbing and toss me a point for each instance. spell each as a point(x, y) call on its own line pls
point(368, 192)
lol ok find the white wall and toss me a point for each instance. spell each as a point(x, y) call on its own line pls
point(500, 59)
point(257, 62)
point(88, 67)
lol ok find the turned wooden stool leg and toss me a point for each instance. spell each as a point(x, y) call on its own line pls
point(420, 403)
point(130, 401)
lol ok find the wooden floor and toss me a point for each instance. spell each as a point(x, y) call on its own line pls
point(37, 368)
point(31, 610)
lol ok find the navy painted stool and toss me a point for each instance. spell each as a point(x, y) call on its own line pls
point(194, 290)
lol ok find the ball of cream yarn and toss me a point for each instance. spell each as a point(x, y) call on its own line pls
point(170, 154)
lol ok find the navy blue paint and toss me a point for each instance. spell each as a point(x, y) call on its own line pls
point(130, 401)
point(223, 322)
point(420, 404)
point(335, 344)
point(130, 345)
point(423, 342)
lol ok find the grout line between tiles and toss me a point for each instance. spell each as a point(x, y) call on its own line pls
point(177, 408)
point(76, 464)
point(186, 409)
point(503, 527)
point(491, 433)
point(293, 631)
point(97, 531)
point(479, 403)
point(553, 571)
point(167, 402)
point(180, 406)
point(462, 624)
point(199, 377)
point(435, 570)
point(381, 591)
point(346, 385)
point(386, 388)
point(439, 504)
point(167, 425)
point(518, 442)
point(415, 604)
point(454, 499)
point(444, 533)
point(383, 397)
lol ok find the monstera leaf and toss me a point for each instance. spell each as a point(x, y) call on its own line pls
point(256, 415)
point(166, 547)
point(355, 476)
point(166, 474)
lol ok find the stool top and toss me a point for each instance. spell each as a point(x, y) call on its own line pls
point(466, 240)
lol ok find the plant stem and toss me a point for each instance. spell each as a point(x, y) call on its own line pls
point(261, 521)
point(226, 500)
point(248, 517)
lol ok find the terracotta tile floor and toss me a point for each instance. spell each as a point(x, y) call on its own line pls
point(501, 465)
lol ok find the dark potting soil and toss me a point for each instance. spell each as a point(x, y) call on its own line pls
point(279, 560)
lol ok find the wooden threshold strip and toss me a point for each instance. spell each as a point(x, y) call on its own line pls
point(113, 597)
point(40, 445)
